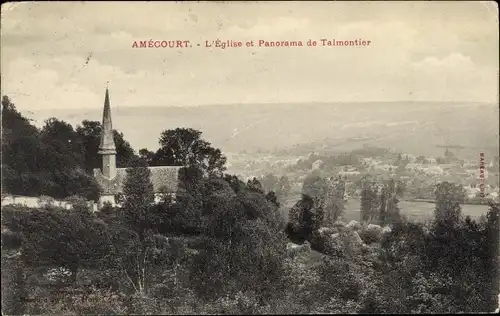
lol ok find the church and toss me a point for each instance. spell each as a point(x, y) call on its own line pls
point(111, 179)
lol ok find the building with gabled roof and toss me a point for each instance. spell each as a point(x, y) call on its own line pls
point(165, 179)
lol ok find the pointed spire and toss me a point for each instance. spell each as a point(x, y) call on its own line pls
point(107, 142)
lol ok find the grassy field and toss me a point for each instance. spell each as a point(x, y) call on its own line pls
point(417, 211)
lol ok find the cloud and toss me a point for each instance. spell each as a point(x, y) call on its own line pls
point(454, 76)
point(454, 62)
point(448, 53)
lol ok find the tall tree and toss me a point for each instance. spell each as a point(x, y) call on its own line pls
point(255, 185)
point(280, 186)
point(147, 155)
point(389, 210)
point(334, 201)
point(138, 196)
point(21, 150)
point(314, 186)
point(306, 217)
point(185, 147)
point(269, 182)
point(369, 201)
point(244, 245)
point(90, 133)
point(449, 197)
point(133, 240)
point(46, 162)
point(283, 188)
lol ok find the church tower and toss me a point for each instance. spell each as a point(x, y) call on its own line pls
point(107, 147)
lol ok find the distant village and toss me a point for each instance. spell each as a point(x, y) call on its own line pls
point(420, 174)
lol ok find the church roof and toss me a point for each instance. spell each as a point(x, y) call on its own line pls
point(164, 179)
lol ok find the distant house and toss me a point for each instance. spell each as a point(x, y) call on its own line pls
point(111, 178)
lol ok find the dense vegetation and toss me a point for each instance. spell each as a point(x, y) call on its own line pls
point(222, 247)
point(56, 160)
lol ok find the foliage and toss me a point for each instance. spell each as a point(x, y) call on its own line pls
point(279, 186)
point(220, 246)
point(314, 186)
point(369, 202)
point(305, 218)
point(54, 237)
point(449, 196)
point(244, 247)
point(185, 147)
point(389, 210)
point(55, 160)
point(334, 201)
point(14, 292)
point(138, 196)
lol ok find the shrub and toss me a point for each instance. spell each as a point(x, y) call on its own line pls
point(371, 234)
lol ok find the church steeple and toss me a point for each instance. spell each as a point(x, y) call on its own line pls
point(107, 147)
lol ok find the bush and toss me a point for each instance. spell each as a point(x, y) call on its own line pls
point(354, 225)
point(371, 234)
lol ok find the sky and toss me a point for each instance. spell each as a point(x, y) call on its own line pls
point(61, 55)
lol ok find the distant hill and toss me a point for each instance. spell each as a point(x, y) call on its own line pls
point(414, 127)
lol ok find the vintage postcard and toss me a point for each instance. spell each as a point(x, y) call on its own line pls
point(250, 157)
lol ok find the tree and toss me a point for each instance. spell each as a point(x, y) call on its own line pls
point(133, 239)
point(369, 201)
point(147, 155)
point(124, 152)
point(389, 210)
point(400, 188)
point(185, 147)
point(244, 246)
point(283, 188)
point(449, 196)
point(138, 196)
point(255, 185)
point(269, 182)
point(47, 162)
point(314, 186)
point(63, 148)
point(53, 237)
point(334, 201)
point(305, 218)
point(21, 150)
point(62, 164)
point(280, 186)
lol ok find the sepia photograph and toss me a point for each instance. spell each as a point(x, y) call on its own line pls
point(250, 157)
